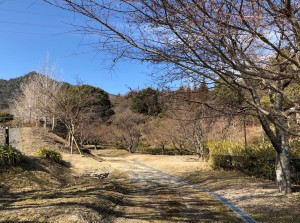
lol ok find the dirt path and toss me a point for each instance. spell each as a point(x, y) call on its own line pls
point(153, 196)
point(150, 195)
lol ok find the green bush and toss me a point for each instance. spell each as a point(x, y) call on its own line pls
point(120, 145)
point(256, 159)
point(9, 156)
point(259, 148)
point(50, 154)
point(4, 117)
point(143, 145)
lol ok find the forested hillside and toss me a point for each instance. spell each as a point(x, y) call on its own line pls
point(8, 88)
point(193, 119)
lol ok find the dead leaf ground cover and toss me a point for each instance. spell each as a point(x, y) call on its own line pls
point(41, 191)
point(256, 196)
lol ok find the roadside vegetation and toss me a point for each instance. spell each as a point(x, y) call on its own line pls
point(10, 156)
point(50, 154)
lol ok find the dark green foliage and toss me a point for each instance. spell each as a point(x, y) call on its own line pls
point(258, 159)
point(224, 95)
point(92, 100)
point(50, 154)
point(158, 151)
point(251, 165)
point(146, 102)
point(295, 170)
point(10, 156)
point(120, 145)
point(4, 117)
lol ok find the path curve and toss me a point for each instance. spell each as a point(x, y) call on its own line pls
point(152, 195)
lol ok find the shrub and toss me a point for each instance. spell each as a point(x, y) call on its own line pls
point(4, 117)
point(146, 102)
point(50, 154)
point(143, 145)
point(120, 145)
point(257, 159)
point(9, 156)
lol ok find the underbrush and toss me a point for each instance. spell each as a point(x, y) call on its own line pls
point(144, 147)
point(50, 154)
point(10, 156)
point(257, 159)
point(158, 151)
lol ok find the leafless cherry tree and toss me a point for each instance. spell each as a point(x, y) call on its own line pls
point(129, 128)
point(34, 102)
point(234, 42)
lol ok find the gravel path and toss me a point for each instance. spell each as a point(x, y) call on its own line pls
point(153, 196)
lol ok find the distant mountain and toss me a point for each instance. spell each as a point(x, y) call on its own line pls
point(8, 88)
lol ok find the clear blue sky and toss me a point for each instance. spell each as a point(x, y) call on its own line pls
point(31, 29)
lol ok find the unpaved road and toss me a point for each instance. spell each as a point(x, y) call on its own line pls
point(150, 195)
point(154, 196)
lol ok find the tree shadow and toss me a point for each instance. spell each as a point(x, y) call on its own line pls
point(155, 198)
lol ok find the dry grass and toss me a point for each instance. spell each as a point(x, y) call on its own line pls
point(259, 197)
point(111, 153)
point(41, 191)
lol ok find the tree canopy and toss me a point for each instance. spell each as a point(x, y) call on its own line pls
point(146, 101)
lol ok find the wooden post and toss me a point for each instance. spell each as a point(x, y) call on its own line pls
point(245, 132)
point(7, 136)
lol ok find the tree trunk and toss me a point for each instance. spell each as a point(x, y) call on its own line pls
point(71, 144)
point(129, 148)
point(298, 118)
point(53, 123)
point(162, 148)
point(282, 166)
point(45, 122)
point(280, 142)
point(198, 152)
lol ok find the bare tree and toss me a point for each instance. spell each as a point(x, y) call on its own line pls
point(129, 128)
point(78, 106)
point(224, 41)
point(34, 102)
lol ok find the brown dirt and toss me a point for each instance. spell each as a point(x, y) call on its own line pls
point(132, 192)
point(259, 197)
point(34, 138)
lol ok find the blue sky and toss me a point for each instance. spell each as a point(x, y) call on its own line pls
point(31, 29)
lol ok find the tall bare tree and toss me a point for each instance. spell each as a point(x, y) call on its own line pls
point(34, 102)
point(224, 41)
point(129, 126)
